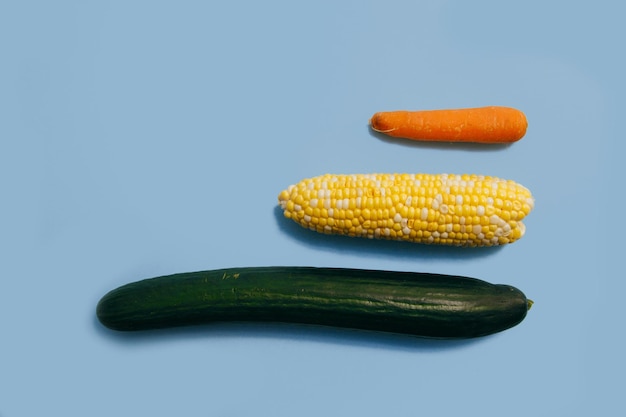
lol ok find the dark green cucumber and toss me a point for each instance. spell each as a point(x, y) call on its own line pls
point(422, 304)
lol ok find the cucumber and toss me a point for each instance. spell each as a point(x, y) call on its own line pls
point(420, 304)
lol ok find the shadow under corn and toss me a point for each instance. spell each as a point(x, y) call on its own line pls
point(380, 248)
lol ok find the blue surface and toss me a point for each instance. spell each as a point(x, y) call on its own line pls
point(146, 138)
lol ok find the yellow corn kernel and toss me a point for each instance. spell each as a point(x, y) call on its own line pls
point(458, 210)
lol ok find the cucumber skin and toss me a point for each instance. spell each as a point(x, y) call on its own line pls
point(420, 304)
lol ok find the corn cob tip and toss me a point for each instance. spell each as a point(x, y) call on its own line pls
point(283, 197)
point(458, 210)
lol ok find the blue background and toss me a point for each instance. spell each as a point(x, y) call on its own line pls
point(143, 138)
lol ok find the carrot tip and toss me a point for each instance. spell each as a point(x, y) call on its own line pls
point(375, 122)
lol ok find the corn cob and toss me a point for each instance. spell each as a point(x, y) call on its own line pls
point(457, 210)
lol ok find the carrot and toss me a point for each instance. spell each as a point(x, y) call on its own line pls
point(493, 124)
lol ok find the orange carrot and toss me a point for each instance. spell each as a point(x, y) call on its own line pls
point(491, 124)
